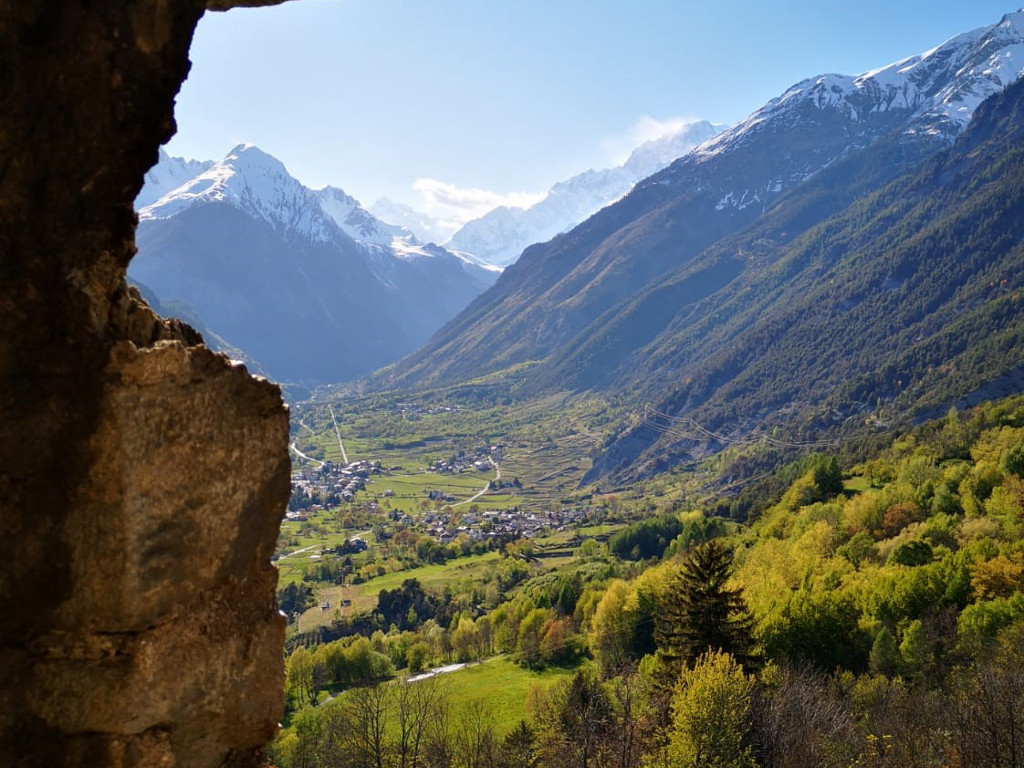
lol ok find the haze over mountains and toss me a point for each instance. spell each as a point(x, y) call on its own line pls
point(741, 284)
point(501, 235)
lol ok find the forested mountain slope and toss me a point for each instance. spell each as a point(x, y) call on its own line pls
point(813, 147)
point(906, 302)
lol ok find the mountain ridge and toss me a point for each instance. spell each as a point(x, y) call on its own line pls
point(278, 270)
point(557, 289)
point(888, 313)
point(502, 234)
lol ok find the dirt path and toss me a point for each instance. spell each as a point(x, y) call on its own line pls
point(299, 551)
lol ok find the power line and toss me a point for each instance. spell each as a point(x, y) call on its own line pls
point(686, 426)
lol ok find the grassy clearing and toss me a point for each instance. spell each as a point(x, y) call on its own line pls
point(858, 484)
point(363, 597)
point(433, 576)
point(335, 597)
point(503, 686)
point(307, 547)
point(500, 684)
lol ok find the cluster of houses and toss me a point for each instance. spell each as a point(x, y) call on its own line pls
point(416, 411)
point(352, 546)
point(330, 483)
point(494, 523)
point(480, 459)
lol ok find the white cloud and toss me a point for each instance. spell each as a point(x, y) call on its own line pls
point(453, 206)
point(645, 129)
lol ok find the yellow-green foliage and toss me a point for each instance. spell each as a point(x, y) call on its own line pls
point(928, 533)
point(711, 715)
point(613, 624)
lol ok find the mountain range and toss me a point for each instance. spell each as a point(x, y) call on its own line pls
point(501, 235)
point(780, 274)
point(306, 282)
point(187, 263)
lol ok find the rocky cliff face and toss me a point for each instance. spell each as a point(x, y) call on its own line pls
point(142, 477)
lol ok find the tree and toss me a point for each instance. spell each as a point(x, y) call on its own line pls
point(915, 655)
point(699, 613)
point(475, 742)
point(369, 710)
point(517, 748)
point(417, 656)
point(558, 642)
point(529, 639)
point(912, 554)
point(464, 639)
point(988, 706)
point(414, 706)
point(299, 676)
point(802, 720)
point(883, 653)
point(613, 625)
point(712, 715)
point(576, 719)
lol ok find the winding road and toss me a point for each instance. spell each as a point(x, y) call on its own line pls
point(471, 499)
point(294, 448)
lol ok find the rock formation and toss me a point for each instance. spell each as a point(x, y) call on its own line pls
point(142, 477)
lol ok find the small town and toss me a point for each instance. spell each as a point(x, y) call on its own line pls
point(315, 489)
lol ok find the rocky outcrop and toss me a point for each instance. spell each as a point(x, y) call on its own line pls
point(142, 477)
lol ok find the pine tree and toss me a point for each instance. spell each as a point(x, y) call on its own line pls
point(700, 614)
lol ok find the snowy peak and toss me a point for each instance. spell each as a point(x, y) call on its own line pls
point(936, 91)
point(356, 222)
point(502, 234)
point(390, 239)
point(651, 156)
point(259, 185)
point(168, 174)
point(991, 64)
point(254, 182)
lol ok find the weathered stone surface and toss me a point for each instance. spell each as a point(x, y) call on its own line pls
point(142, 477)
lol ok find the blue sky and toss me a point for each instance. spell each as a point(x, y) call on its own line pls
point(505, 98)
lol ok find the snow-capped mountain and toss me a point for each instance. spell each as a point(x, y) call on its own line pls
point(424, 226)
point(931, 96)
point(168, 174)
point(280, 270)
point(356, 222)
point(804, 156)
point(255, 183)
point(502, 234)
point(365, 228)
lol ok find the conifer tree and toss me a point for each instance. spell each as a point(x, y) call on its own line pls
point(700, 614)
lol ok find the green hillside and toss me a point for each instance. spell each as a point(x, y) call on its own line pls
point(907, 302)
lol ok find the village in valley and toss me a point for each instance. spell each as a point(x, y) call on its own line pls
point(433, 508)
